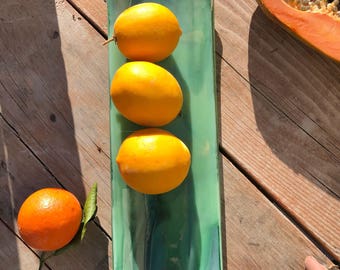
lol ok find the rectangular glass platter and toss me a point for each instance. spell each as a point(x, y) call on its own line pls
point(180, 229)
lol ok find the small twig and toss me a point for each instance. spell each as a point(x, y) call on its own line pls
point(43, 259)
point(41, 264)
point(109, 40)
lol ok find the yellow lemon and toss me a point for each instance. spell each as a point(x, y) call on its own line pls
point(146, 94)
point(147, 31)
point(153, 161)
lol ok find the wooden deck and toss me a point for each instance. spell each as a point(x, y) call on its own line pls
point(279, 110)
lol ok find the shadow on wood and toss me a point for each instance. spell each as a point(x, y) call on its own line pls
point(296, 101)
point(218, 63)
point(38, 147)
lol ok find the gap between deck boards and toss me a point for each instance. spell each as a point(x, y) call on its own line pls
point(253, 181)
point(17, 236)
point(46, 168)
point(15, 132)
point(279, 207)
point(88, 19)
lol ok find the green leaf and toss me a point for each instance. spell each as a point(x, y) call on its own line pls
point(90, 209)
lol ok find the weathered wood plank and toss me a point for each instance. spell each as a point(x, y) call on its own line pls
point(93, 254)
point(53, 97)
point(292, 76)
point(95, 11)
point(13, 252)
point(265, 132)
point(21, 174)
point(236, 252)
point(54, 93)
point(298, 82)
point(258, 236)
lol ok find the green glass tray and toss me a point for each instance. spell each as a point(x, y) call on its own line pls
point(180, 229)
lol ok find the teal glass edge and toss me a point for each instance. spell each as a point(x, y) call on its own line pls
point(180, 229)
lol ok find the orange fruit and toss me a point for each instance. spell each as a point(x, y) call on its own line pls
point(49, 219)
point(147, 31)
point(146, 94)
point(153, 161)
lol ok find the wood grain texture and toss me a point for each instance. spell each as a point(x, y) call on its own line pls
point(280, 116)
point(55, 95)
point(19, 177)
point(14, 254)
point(54, 119)
point(279, 121)
point(94, 11)
point(258, 236)
point(93, 254)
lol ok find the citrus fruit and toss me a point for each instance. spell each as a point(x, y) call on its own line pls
point(147, 31)
point(146, 94)
point(49, 218)
point(153, 161)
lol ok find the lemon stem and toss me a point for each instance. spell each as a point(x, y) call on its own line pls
point(113, 38)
